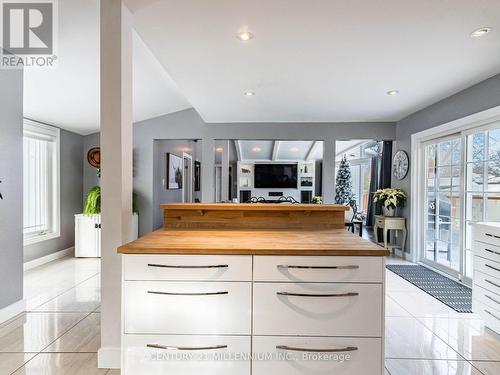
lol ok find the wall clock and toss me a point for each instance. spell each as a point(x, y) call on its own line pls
point(400, 165)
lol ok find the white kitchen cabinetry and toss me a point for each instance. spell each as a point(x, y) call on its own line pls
point(486, 279)
point(88, 235)
point(252, 314)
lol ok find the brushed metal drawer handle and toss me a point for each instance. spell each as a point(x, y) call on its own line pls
point(492, 251)
point(492, 283)
point(351, 294)
point(186, 348)
point(493, 268)
point(188, 294)
point(492, 299)
point(188, 267)
point(335, 350)
point(493, 315)
point(352, 267)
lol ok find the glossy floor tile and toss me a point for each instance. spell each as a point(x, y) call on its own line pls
point(487, 368)
point(466, 336)
point(62, 364)
point(408, 338)
point(32, 332)
point(10, 362)
point(85, 337)
point(78, 299)
point(429, 367)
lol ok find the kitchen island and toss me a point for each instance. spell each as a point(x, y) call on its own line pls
point(253, 289)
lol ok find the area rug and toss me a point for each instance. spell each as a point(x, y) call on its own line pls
point(451, 293)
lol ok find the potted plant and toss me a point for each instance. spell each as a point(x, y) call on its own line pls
point(391, 199)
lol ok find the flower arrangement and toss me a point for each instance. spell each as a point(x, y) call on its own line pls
point(390, 198)
point(317, 200)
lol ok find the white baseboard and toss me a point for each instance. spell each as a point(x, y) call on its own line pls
point(49, 258)
point(109, 358)
point(11, 311)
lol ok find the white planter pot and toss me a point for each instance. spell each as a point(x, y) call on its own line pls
point(388, 211)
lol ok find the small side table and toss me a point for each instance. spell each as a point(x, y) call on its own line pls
point(387, 223)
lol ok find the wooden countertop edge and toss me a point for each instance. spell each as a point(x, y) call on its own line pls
point(253, 207)
point(271, 252)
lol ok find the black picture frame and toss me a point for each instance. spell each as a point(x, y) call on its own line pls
point(197, 175)
point(174, 172)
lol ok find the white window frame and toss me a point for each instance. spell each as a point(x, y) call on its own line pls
point(43, 130)
point(467, 125)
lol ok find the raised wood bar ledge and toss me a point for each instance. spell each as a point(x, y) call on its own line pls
point(253, 229)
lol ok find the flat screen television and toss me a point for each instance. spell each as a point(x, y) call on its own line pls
point(279, 176)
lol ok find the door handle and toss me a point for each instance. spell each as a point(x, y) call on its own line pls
point(350, 294)
point(350, 267)
point(188, 294)
point(188, 267)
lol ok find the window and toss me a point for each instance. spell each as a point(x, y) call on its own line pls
point(40, 182)
point(483, 183)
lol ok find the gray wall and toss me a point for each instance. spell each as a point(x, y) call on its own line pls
point(90, 178)
point(71, 197)
point(475, 99)
point(160, 192)
point(11, 175)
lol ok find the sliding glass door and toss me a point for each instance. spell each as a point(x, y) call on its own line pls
point(443, 214)
point(461, 187)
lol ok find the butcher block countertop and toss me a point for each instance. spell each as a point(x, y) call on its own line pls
point(331, 242)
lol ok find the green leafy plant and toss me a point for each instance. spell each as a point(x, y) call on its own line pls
point(93, 202)
point(390, 198)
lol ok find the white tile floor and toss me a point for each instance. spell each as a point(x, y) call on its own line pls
point(60, 334)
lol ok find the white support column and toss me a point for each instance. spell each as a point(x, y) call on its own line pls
point(208, 171)
point(329, 171)
point(116, 181)
point(225, 172)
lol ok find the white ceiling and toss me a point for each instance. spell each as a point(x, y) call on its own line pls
point(325, 60)
point(68, 96)
point(263, 150)
point(321, 61)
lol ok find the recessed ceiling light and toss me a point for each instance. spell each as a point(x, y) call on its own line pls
point(244, 36)
point(392, 92)
point(294, 149)
point(256, 149)
point(480, 32)
point(249, 93)
point(219, 149)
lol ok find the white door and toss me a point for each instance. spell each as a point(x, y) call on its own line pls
point(443, 218)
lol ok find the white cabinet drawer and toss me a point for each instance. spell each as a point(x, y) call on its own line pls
point(195, 355)
point(490, 317)
point(488, 267)
point(318, 269)
point(160, 307)
point(362, 356)
point(486, 297)
point(487, 282)
point(309, 309)
point(486, 251)
point(487, 234)
point(188, 267)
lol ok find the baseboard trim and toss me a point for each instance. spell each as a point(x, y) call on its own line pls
point(48, 258)
point(12, 310)
point(109, 358)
